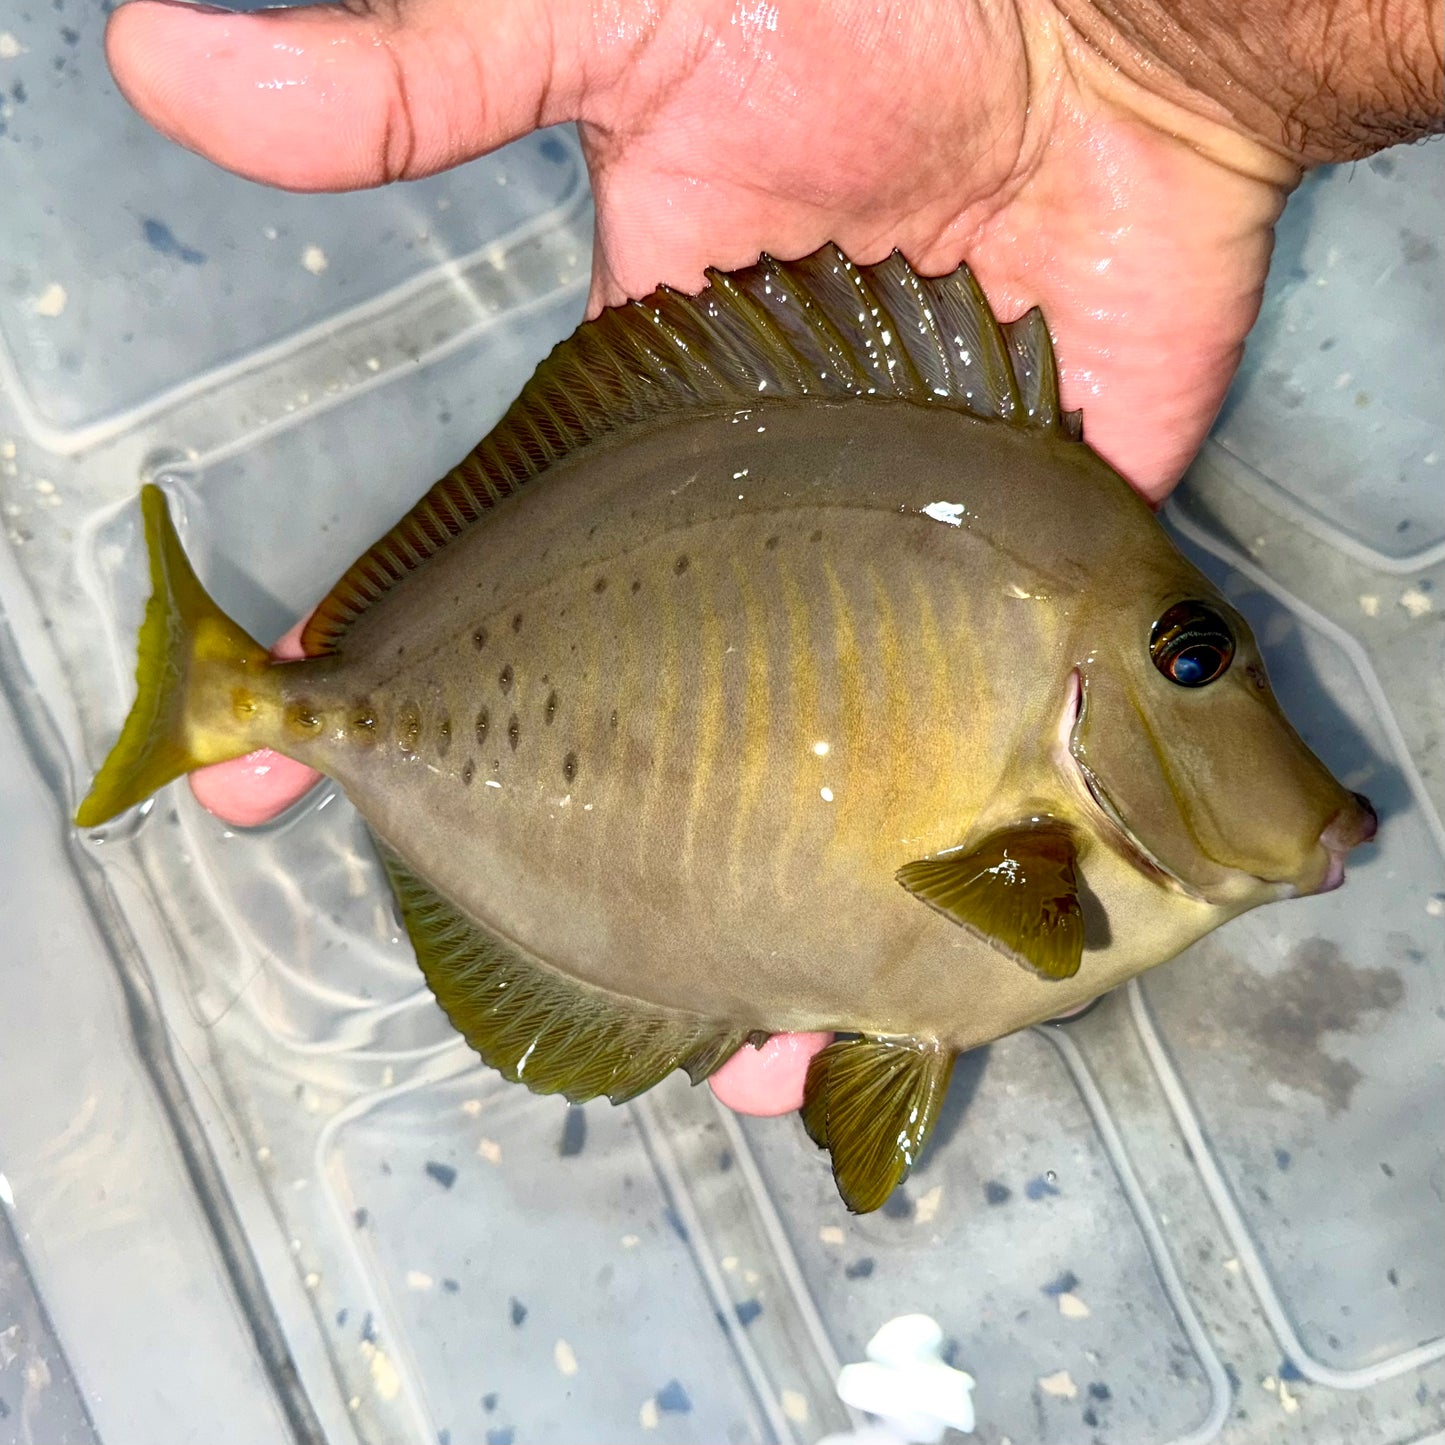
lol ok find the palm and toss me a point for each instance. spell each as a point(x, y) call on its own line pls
point(954, 129)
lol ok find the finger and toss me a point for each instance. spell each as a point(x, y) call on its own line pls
point(252, 790)
point(319, 98)
point(768, 1080)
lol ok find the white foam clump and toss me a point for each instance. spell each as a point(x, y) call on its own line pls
point(905, 1384)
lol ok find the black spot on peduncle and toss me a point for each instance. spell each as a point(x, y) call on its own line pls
point(469, 771)
point(514, 731)
point(569, 766)
point(504, 679)
point(550, 711)
point(484, 721)
point(600, 586)
point(682, 564)
point(479, 638)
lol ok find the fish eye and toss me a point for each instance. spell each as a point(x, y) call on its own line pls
point(1191, 644)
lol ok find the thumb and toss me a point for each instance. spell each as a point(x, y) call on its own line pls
point(321, 98)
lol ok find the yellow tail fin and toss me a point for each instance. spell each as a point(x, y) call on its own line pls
point(197, 676)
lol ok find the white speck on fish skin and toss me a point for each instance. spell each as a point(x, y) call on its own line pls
point(1416, 602)
point(1369, 604)
point(1072, 1307)
point(312, 1280)
point(490, 1150)
point(51, 301)
point(795, 1406)
point(1435, 905)
point(1060, 1385)
point(471, 1107)
point(831, 1234)
point(10, 47)
point(826, 794)
point(313, 258)
point(952, 513)
point(418, 1279)
point(564, 1358)
point(648, 1416)
point(631, 1241)
point(1232, 1265)
point(493, 783)
point(729, 1262)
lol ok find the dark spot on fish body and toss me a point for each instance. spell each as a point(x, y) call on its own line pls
point(682, 564)
point(1282, 1159)
point(569, 767)
point(771, 544)
point(860, 1268)
point(505, 1435)
point(1065, 1283)
point(995, 1193)
point(517, 1310)
point(517, 622)
point(361, 723)
point(1393, 1275)
point(600, 586)
point(360, 1218)
point(479, 638)
point(514, 731)
point(747, 1311)
point(489, 1401)
point(408, 728)
point(444, 736)
point(636, 585)
point(549, 711)
point(612, 720)
point(817, 535)
point(302, 720)
point(484, 721)
point(1290, 1372)
point(1091, 1417)
point(504, 678)
point(1098, 1390)
point(469, 771)
point(243, 703)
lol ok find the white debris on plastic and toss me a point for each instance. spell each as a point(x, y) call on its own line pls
point(952, 513)
point(905, 1385)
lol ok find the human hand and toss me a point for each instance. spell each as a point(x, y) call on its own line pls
point(1133, 205)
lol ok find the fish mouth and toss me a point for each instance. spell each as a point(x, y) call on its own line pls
point(1096, 797)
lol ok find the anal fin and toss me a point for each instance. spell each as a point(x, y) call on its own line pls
point(872, 1104)
point(538, 1027)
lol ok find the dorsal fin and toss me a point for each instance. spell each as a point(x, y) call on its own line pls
point(820, 327)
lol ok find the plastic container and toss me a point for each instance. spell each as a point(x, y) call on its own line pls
point(255, 1190)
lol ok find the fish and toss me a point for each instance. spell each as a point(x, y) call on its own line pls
point(784, 659)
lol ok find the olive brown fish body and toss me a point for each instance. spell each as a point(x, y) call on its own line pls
point(655, 739)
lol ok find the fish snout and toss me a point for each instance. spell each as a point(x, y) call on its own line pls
point(1354, 824)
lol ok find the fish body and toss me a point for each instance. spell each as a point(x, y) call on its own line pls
point(779, 706)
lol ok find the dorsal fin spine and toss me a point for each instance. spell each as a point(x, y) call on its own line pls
point(812, 328)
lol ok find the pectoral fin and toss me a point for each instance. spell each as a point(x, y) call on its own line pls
point(872, 1103)
point(1017, 890)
